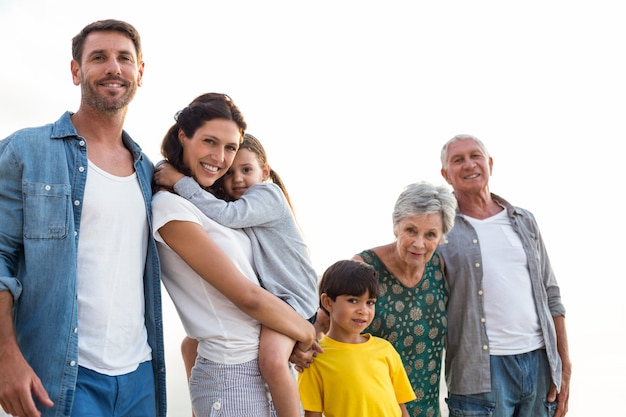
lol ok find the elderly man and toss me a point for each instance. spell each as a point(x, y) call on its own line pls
point(507, 351)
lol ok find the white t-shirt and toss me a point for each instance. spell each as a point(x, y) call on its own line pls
point(512, 322)
point(226, 334)
point(112, 245)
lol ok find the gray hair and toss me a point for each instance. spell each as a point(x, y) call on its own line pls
point(423, 198)
point(444, 150)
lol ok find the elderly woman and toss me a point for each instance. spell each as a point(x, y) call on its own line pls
point(411, 308)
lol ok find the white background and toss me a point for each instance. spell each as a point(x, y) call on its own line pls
point(354, 99)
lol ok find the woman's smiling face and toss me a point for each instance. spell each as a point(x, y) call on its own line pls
point(417, 238)
point(211, 150)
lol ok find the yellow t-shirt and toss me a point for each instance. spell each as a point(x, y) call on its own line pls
point(355, 380)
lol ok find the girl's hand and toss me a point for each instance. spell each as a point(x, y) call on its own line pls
point(166, 175)
point(304, 358)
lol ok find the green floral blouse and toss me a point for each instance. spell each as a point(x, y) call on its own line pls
point(414, 321)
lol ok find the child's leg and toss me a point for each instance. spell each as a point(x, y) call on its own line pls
point(274, 351)
point(189, 350)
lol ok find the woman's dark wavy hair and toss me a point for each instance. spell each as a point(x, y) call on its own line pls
point(206, 107)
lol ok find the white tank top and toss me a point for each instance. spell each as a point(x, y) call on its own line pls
point(112, 245)
point(511, 317)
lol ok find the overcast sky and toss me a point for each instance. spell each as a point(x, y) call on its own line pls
point(354, 99)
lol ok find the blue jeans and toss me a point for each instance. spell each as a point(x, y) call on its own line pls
point(519, 387)
point(99, 395)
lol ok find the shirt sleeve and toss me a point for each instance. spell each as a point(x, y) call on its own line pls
point(399, 378)
point(311, 390)
point(167, 207)
point(12, 215)
point(260, 206)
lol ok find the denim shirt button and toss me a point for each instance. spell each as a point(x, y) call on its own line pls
point(81, 169)
point(477, 265)
point(72, 363)
point(81, 143)
point(47, 188)
point(76, 203)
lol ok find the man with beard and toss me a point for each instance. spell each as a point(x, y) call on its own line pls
point(80, 303)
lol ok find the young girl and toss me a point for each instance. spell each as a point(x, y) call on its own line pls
point(259, 204)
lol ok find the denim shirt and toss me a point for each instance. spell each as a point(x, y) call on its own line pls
point(43, 172)
point(467, 345)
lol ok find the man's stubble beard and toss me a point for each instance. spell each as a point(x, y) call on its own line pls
point(102, 103)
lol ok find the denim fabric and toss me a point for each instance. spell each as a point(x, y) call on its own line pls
point(127, 395)
point(469, 406)
point(467, 346)
point(43, 173)
point(520, 384)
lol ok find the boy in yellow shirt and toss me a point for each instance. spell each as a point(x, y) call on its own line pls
point(358, 375)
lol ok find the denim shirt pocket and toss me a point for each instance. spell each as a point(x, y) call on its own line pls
point(46, 210)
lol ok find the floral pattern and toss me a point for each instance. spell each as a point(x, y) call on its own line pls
point(415, 322)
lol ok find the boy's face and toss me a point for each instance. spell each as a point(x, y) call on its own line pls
point(349, 315)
